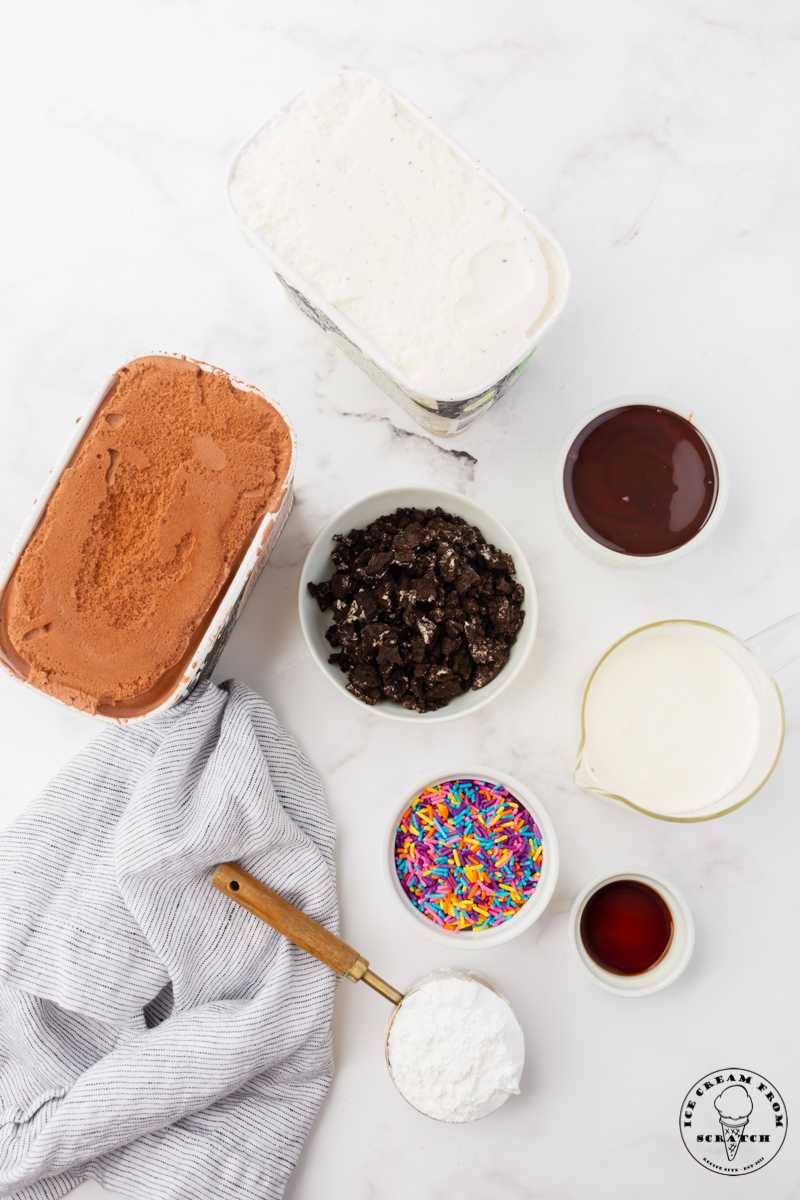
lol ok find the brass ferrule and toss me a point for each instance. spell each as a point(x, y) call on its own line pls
point(358, 969)
point(380, 985)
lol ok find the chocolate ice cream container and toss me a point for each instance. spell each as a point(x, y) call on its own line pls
point(441, 415)
point(215, 627)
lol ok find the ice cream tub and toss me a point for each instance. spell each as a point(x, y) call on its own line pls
point(239, 567)
point(487, 269)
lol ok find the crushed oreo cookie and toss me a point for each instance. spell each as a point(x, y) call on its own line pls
point(423, 608)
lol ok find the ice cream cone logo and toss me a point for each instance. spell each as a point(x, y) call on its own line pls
point(734, 1106)
point(733, 1121)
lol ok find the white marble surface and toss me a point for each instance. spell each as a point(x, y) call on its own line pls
point(658, 141)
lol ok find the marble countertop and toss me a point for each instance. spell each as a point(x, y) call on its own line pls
point(658, 142)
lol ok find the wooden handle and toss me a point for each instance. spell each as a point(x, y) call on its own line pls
point(306, 933)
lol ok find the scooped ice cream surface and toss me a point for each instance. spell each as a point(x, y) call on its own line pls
point(406, 239)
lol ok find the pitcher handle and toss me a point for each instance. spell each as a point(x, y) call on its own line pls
point(779, 645)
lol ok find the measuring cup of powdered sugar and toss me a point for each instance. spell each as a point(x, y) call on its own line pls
point(454, 1048)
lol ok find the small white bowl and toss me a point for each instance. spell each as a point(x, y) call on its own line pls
point(532, 909)
point(318, 566)
point(667, 970)
point(604, 554)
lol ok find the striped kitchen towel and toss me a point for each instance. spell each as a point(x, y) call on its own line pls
point(154, 1036)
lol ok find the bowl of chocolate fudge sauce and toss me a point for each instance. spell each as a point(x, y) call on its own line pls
point(639, 481)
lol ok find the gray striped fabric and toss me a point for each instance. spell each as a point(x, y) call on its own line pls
point(154, 1036)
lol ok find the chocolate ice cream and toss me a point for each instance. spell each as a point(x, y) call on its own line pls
point(146, 526)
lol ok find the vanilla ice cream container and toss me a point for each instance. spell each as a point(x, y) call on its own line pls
point(206, 650)
point(354, 256)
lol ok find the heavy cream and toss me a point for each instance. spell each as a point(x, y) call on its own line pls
point(671, 723)
point(395, 230)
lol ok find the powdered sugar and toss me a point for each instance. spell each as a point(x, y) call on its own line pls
point(455, 1048)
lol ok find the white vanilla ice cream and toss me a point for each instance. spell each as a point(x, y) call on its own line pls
point(455, 1048)
point(412, 244)
point(671, 723)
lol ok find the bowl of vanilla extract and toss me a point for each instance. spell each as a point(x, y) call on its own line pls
point(640, 481)
point(632, 934)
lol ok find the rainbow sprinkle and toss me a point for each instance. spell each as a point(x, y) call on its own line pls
point(468, 854)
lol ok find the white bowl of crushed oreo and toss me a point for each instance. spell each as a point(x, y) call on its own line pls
point(418, 603)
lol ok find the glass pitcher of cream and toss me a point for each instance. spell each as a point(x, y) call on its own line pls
point(680, 720)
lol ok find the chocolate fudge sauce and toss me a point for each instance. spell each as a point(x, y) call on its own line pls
point(640, 480)
point(626, 927)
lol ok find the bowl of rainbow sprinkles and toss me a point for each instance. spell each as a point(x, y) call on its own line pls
point(470, 857)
